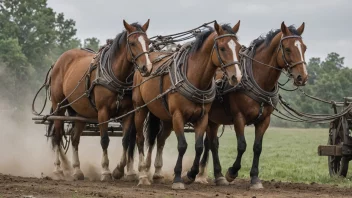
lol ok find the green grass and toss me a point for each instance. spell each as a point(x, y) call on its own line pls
point(287, 155)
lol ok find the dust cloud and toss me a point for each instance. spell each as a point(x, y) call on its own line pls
point(25, 151)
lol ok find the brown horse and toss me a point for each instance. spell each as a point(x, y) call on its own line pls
point(282, 49)
point(212, 49)
point(109, 76)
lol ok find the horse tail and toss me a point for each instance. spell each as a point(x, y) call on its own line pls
point(129, 140)
point(152, 128)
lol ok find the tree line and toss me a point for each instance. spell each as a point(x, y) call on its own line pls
point(33, 36)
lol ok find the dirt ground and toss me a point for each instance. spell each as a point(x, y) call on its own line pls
point(12, 186)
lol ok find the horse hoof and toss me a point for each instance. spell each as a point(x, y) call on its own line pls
point(178, 186)
point(221, 181)
point(158, 178)
point(143, 181)
point(229, 177)
point(187, 180)
point(202, 180)
point(106, 177)
point(256, 186)
point(58, 175)
point(117, 173)
point(256, 183)
point(78, 175)
point(131, 177)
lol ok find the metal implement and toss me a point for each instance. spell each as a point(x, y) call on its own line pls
point(339, 146)
point(92, 128)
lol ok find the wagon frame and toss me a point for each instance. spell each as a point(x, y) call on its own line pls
point(339, 145)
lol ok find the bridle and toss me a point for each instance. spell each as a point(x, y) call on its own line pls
point(289, 66)
point(134, 58)
point(216, 47)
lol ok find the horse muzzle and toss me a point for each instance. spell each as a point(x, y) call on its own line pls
point(235, 79)
point(144, 71)
point(300, 81)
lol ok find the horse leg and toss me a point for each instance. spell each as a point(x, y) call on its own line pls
point(57, 132)
point(152, 131)
point(131, 173)
point(260, 129)
point(232, 172)
point(203, 175)
point(178, 124)
point(127, 130)
point(214, 147)
point(103, 115)
point(158, 164)
point(77, 172)
point(199, 130)
point(140, 116)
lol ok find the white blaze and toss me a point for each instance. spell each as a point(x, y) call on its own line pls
point(298, 44)
point(232, 46)
point(142, 41)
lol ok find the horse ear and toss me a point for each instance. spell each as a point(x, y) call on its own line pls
point(128, 27)
point(237, 26)
point(218, 28)
point(284, 29)
point(300, 30)
point(145, 26)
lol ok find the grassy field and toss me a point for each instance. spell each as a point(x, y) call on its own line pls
point(287, 155)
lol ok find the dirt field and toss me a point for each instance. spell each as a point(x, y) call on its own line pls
point(11, 186)
point(30, 154)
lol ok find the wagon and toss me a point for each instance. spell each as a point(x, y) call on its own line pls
point(339, 145)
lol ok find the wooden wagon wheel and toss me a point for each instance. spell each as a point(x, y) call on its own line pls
point(338, 165)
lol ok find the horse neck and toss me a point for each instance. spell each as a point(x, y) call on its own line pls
point(201, 69)
point(121, 67)
point(267, 77)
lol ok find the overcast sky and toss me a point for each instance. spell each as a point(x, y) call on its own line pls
point(328, 22)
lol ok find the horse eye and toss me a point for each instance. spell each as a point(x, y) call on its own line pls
point(222, 49)
point(287, 50)
point(132, 44)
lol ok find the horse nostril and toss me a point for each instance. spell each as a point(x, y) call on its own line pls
point(234, 79)
point(299, 79)
point(144, 68)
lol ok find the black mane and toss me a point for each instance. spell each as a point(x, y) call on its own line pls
point(120, 38)
point(270, 35)
point(201, 37)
